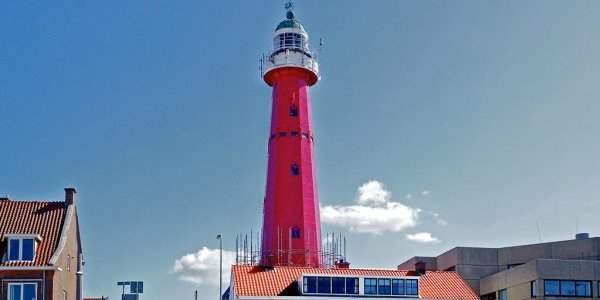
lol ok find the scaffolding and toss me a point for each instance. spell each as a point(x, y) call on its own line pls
point(248, 252)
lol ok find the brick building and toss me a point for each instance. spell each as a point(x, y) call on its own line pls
point(40, 249)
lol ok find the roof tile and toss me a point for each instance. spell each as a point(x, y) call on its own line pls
point(33, 217)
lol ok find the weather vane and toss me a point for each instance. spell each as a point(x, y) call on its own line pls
point(289, 5)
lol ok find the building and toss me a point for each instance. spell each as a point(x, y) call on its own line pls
point(293, 264)
point(285, 282)
point(291, 225)
point(565, 269)
point(41, 249)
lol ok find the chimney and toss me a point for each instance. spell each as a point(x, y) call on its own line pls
point(70, 195)
point(342, 264)
point(420, 268)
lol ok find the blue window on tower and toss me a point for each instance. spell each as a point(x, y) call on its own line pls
point(293, 110)
point(370, 286)
point(295, 169)
point(338, 285)
point(324, 285)
point(295, 233)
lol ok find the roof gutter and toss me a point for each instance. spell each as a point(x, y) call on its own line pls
point(29, 268)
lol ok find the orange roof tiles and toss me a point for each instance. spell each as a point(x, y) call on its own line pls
point(256, 281)
point(39, 218)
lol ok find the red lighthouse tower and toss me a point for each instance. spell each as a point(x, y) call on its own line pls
point(291, 226)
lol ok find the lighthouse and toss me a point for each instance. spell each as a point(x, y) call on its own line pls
point(291, 232)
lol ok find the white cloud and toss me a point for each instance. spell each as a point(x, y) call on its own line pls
point(425, 193)
point(202, 267)
point(422, 237)
point(408, 196)
point(372, 192)
point(374, 212)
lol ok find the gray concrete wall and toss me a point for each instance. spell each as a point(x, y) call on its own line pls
point(510, 278)
point(568, 269)
point(572, 249)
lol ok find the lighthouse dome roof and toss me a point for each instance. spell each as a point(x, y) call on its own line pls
point(290, 22)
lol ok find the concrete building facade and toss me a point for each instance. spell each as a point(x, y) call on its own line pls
point(554, 270)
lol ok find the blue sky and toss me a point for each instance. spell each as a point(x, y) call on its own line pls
point(156, 112)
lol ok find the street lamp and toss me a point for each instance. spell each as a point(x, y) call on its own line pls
point(220, 238)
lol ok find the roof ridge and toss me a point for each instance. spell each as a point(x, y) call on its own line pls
point(31, 201)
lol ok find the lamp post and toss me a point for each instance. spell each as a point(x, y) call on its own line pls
point(220, 238)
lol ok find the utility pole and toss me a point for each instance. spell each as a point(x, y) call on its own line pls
point(220, 238)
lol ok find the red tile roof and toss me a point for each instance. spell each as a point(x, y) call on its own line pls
point(256, 281)
point(33, 217)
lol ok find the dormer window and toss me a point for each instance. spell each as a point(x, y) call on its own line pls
point(21, 248)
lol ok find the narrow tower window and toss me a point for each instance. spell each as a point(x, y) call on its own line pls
point(293, 110)
point(295, 233)
point(295, 169)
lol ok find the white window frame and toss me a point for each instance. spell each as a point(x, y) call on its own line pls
point(22, 284)
point(20, 238)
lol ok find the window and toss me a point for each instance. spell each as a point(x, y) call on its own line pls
point(22, 291)
point(412, 287)
point(324, 285)
point(551, 288)
point(567, 288)
point(295, 233)
point(352, 286)
point(384, 286)
point(293, 110)
point(534, 288)
point(295, 169)
point(398, 287)
point(21, 249)
point(490, 296)
point(502, 295)
point(338, 285)
point(370, 286)
point(583, 288)
point(290, 39)
point(310, 284)
point(14, 246)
